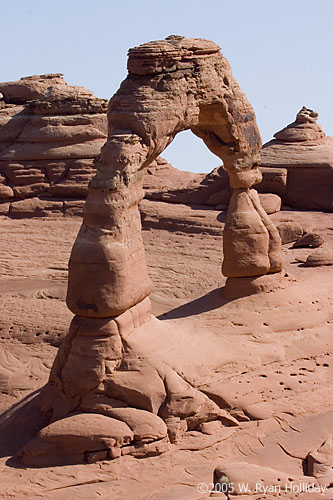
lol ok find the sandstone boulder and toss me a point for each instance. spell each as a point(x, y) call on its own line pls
point(289, 230)
point(320, 463)
point(311, 240)
point(270, 202)
point(76, 439)
point(320, 257)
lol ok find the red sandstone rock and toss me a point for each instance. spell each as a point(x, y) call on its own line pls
point(251, 243)
point(319, 463)
point(6, 192)
point(74, 439)
point(274, 180)
point(115, 192)
point(164, 182)
point(235, 288)
point(62, 125)
point(32, 207)
point(178, 261)
point(49, 87)
point(146, 426)
point(4, 208)
point(292, 222)
point(290, 231)
point(320, 257)
point(270, 202)
point(311, 240)
point(173, 85)
point(304, 150)
point(50, 135)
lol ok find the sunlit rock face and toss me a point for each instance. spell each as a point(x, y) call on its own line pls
point(50, 135)
point(307, 153)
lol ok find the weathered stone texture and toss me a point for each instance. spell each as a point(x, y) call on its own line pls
point(303, 149)
point(50, 135)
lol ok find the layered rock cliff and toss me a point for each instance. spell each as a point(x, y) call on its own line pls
point(50, 135)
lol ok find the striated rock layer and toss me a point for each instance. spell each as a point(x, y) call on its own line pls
point(50, 135)
point(107, 364)
point(307, 153)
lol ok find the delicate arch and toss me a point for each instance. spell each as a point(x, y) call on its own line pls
point(173, 85)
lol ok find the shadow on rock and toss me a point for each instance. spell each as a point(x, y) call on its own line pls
point(20, 423)
point(212, 300)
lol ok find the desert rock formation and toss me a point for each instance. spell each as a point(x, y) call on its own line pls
point(106, 365)
point(163, 182)
point(267, 356)
point(50, 135)
point(303, 149)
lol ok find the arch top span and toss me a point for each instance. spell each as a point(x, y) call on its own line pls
point(172, 85)
point(178, 84)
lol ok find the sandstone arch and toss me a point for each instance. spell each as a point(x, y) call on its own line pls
point(110, 363)
point(173, 85)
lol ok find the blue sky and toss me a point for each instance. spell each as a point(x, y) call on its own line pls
point(280, 52)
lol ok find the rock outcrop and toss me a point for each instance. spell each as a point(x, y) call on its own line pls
point(50, 135)
point(163, 182)
point(319, 463)
point(303, 149)
point(311, 240)
point(107, 363)
point(320, 257)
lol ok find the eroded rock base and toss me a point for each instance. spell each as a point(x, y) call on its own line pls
point(241, 287)
point(105, 399)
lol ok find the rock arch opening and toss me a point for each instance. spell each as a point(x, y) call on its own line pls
point(189, 154)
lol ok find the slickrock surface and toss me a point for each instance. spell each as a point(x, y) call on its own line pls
point(265, 363)
point(307, 153)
